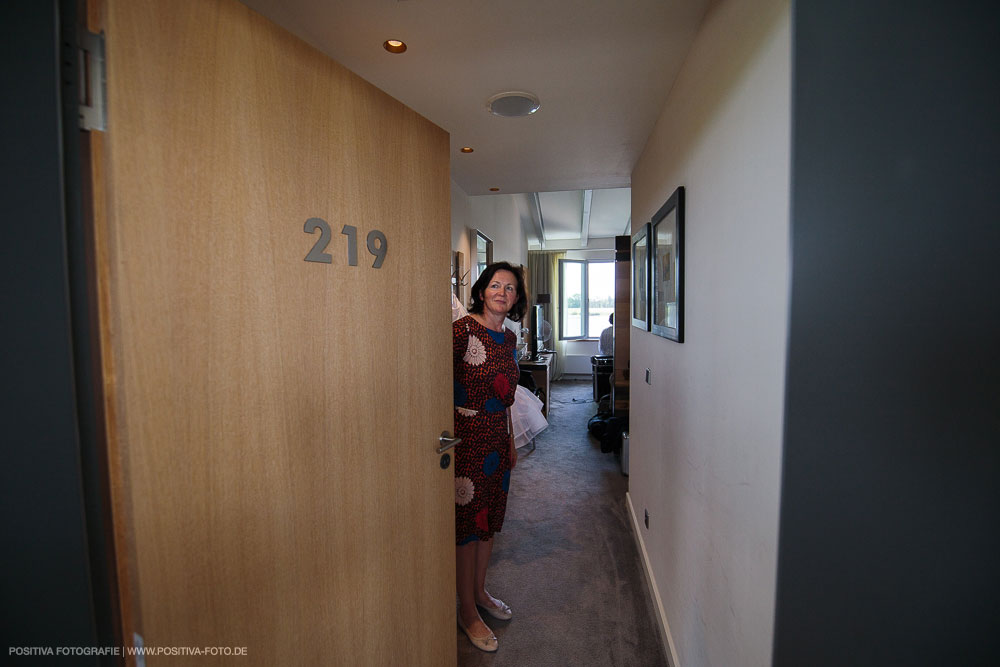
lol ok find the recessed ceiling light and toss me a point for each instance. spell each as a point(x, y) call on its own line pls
point(394, 46)
point(466, 149)
point(494, 189)
point(513, 103)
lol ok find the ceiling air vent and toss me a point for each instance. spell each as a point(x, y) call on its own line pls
point(513, 103)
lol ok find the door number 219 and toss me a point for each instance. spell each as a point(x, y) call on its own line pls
point(376, 243)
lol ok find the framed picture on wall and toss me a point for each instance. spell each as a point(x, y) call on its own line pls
point(640, 278)
point(666, 250)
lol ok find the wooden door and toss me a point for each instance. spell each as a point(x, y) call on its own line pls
point(272, 421)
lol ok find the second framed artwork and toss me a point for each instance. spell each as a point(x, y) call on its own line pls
point(666, 259)
point(640, 278)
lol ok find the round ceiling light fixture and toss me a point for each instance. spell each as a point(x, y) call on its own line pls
point(494, 189)
point(466, 149)
point(513, 103)
point(394, 45)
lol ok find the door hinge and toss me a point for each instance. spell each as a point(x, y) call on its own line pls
point(93, 115)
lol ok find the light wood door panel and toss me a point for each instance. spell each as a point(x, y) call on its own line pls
point(276, 418)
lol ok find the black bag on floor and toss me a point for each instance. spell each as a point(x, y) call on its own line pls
point(608, 430)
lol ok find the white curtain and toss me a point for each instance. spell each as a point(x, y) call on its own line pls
point(543, 267)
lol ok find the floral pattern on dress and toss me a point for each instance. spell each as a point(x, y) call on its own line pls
point(490, 463)
point(485, 376)
point(483, 519)
point(495, 405)
point(501, 385)
point(475, 354)
point(464, 491)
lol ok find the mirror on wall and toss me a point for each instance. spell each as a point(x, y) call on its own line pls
point(484, 252)
point(640, 278)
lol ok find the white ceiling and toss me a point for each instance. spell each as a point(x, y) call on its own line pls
point(598, 213)
point(601, 68)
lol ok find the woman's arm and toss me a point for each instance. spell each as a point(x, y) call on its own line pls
point(510, 434)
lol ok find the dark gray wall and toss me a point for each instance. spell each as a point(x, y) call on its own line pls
point(46, 590)
point(889, 551)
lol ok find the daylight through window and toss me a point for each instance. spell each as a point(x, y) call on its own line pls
point(586, 297)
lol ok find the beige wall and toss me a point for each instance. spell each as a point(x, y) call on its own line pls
point(706, 433)
point(461, 219)
point(497, 216)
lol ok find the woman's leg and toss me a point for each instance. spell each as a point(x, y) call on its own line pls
point(484, 549)
point(467, 561)
point(483, 598)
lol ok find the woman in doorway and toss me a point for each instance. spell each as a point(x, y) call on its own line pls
point(486, 377)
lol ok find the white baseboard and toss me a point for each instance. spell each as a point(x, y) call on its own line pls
point(665, 637)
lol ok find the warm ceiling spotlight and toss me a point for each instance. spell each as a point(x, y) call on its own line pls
point(394, 46)
point(513, 103)
point(494, 189)
point(466, 149)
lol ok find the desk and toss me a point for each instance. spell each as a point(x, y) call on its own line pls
point(540, 370)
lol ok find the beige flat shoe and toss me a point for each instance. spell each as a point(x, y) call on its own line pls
point(501, 613)
point(488, 643)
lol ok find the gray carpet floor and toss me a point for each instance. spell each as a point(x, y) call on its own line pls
point(566, 561)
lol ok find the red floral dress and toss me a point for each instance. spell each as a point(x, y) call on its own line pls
point(486, 376)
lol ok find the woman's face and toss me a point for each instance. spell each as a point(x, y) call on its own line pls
point(500, 294)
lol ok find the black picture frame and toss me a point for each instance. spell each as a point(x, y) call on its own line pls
point(666, 256)
point(640, 278)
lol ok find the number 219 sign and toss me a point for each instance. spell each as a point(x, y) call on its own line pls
point(376, 243)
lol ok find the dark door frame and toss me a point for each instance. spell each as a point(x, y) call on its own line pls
point(57, 563)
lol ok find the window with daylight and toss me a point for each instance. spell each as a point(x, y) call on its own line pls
point(586, 297)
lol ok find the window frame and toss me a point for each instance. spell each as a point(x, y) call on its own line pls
point(584, 298)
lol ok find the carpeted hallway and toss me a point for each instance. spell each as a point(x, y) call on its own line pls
point(566, 561)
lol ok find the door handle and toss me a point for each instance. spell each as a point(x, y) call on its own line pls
point(447, 442)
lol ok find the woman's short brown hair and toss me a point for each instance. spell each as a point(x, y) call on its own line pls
point(516, 311)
